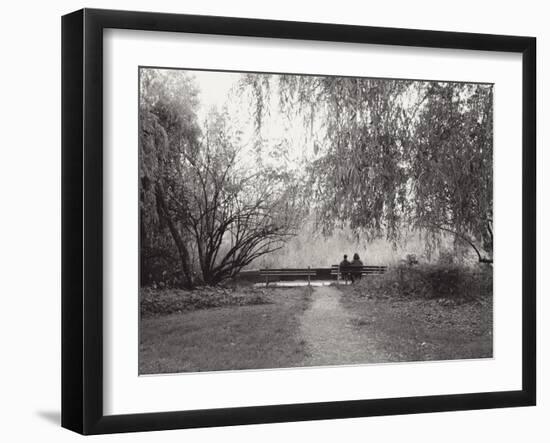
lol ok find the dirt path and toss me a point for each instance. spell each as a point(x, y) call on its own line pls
point(330, 336)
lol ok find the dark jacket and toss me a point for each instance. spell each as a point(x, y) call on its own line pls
point(345, 263)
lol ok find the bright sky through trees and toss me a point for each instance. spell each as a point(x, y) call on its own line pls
point(221, 89)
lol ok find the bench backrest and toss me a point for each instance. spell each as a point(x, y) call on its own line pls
point(365, 269)
point(288, 272)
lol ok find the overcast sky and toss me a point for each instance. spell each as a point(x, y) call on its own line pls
point(214, 87)
point(218, 89)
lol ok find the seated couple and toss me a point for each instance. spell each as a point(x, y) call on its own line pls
point(351, 270)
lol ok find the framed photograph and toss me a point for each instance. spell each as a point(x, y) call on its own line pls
point(269, 221)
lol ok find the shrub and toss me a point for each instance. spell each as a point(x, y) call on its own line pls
point(168, 301)
point(454, 282)
point(446, 257)
point(411, 259)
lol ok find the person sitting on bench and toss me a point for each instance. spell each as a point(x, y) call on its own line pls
point(344, 268)
point(356, 263)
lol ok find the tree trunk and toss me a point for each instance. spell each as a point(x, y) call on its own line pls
point(180, 244)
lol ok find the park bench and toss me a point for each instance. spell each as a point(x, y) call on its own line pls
point(299, 273)
point(345, 271)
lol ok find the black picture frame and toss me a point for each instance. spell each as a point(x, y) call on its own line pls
point(82, 218)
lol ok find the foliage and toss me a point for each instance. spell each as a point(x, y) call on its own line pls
point(452, 164)
point(198, 201)
point(395, 153)
point(168, 130)
point(233, 215)
point(446, 257)
point(411, 259)
point(450, 283)
point(310, 247)
point(390, 158)
point(155, 302)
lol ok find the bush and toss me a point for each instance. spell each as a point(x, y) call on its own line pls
point(454, 282)
point(411, 259)
point(155, 302)
point(446, 257)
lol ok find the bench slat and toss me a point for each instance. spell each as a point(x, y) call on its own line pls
point(289, 274)
point(357, 271)
point(288, 270)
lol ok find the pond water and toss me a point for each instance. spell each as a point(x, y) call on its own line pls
point(296, 283)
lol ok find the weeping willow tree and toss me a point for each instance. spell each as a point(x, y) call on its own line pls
point(394, 153)
point(452, 165)
point(168, 130)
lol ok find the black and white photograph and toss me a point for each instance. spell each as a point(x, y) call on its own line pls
point(291, 220)
point(246, 222)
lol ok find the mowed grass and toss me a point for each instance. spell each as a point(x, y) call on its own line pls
point(421, 329)
point(227, 338)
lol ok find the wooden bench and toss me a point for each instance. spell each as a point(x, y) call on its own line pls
point(300, 273)
point(345, 271)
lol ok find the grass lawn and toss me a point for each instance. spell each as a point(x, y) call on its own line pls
point(226, 338)
point(421, 329)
